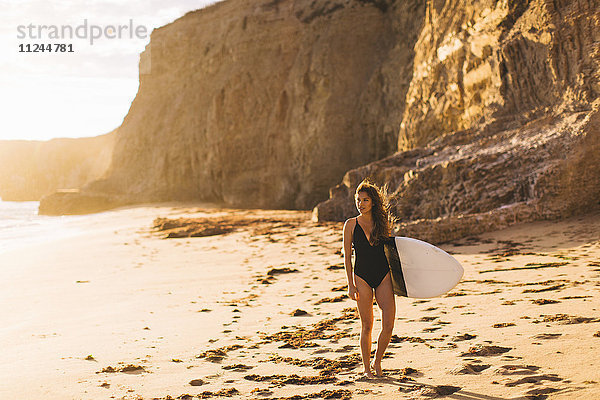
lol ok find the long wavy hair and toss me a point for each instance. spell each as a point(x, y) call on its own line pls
point(380, 210)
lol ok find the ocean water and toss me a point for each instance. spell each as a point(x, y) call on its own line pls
point(20, 225)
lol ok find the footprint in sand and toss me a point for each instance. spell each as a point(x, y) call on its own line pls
point(298, 313)
point(517, 370)
point(469, 369)
point(484, 351)
point(541, 392)
point(423, 391)
point(547, 336)
point(534, 379)
point(462, 337)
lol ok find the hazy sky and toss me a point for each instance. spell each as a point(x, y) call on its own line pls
point(84, 93)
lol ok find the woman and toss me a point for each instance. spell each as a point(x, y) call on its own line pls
point(371, 273)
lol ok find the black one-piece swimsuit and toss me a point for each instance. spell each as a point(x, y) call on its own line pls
point(370, 262)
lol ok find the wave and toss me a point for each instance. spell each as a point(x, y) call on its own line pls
point(20, 225)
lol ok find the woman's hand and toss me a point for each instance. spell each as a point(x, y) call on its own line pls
point(352, 292)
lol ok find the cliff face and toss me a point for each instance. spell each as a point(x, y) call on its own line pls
point(265, 103)
point(483, 60)
point(32, 169)
point(501, 121)
point(492, 105)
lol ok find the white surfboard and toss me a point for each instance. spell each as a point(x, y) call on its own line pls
point(419, 269)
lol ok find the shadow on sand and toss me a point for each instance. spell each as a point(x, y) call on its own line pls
point(454, 392)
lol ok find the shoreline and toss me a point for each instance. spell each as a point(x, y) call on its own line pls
point(125, 296)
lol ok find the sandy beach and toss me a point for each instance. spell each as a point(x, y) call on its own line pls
point(260, 311)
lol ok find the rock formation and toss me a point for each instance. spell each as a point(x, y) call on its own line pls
point(32, 169)
point(264, 103)
point(480, 113)
point(72, 202)
point(501, 122)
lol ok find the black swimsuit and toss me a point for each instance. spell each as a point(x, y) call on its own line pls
point(370, 262)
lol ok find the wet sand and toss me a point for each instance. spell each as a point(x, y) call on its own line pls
point(253, 306)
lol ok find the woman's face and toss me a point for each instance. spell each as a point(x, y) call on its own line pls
point(363, 203)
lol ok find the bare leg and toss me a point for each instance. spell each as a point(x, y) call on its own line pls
point(385, 299)
point(365, 310)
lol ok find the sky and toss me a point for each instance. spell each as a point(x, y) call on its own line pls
point(86, 92)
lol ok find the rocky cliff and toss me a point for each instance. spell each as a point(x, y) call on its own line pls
point(501, 122)
point(480, 113)
point(32, 169)
point(265, 103)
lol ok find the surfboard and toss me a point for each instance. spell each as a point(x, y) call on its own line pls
point(420, 269)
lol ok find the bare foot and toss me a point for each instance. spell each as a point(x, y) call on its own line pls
point(367, 374)
point(377, 368)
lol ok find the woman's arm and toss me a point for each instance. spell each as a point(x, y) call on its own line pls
point(348, 229)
